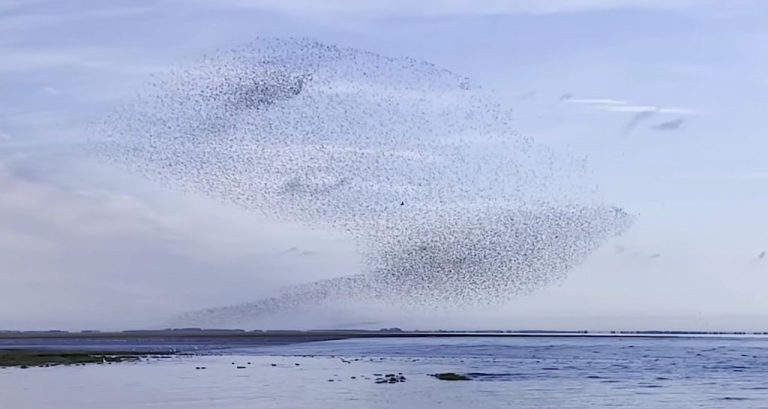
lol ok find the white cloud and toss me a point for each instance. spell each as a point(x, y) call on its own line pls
point(451, 7)
point(597, 101)
point(11, 5)
point(51, 90)
point(40, 12)
point(76, 258)
point(91, 59)
point(740, 175)
point(649, 108)
point(623, 106)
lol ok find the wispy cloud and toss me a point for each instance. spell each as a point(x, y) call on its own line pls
point(453, 7)
point(640, 113)
point(90, 59)
point(736, 175)
point(68, 239)
point(598, 101)
point(51, 90)
point(620, 105)
point(41, 12)
point(648, 108)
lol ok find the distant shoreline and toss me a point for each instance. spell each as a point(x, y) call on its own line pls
point(322, 335)
point(50, 348)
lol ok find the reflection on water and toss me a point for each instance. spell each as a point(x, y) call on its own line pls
point(518, 373)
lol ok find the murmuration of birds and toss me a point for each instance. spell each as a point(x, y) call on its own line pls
point(447, 203)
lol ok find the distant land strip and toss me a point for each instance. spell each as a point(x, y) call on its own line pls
point(330, 334)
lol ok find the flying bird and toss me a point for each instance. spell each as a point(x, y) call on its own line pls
point(330, 137)
point(672, 125)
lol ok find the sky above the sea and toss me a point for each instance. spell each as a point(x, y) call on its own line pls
point(667, 99)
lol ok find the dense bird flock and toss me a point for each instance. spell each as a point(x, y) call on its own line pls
point(418, 164)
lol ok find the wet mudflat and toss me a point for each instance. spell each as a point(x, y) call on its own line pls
point(353, 373)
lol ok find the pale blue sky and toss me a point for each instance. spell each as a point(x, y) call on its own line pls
point(667, 98)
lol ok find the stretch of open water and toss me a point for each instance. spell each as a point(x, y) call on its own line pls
point(507, 373)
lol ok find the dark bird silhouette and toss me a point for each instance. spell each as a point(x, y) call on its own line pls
point(330, 137)
point(672, 125)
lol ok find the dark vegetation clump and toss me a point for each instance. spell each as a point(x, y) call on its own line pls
point(451, 376)
point(25, 359)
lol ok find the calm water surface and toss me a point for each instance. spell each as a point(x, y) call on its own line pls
point(507, 373)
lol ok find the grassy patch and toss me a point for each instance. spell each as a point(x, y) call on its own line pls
point(26, 358)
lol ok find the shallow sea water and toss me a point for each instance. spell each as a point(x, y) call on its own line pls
point(507, 373)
